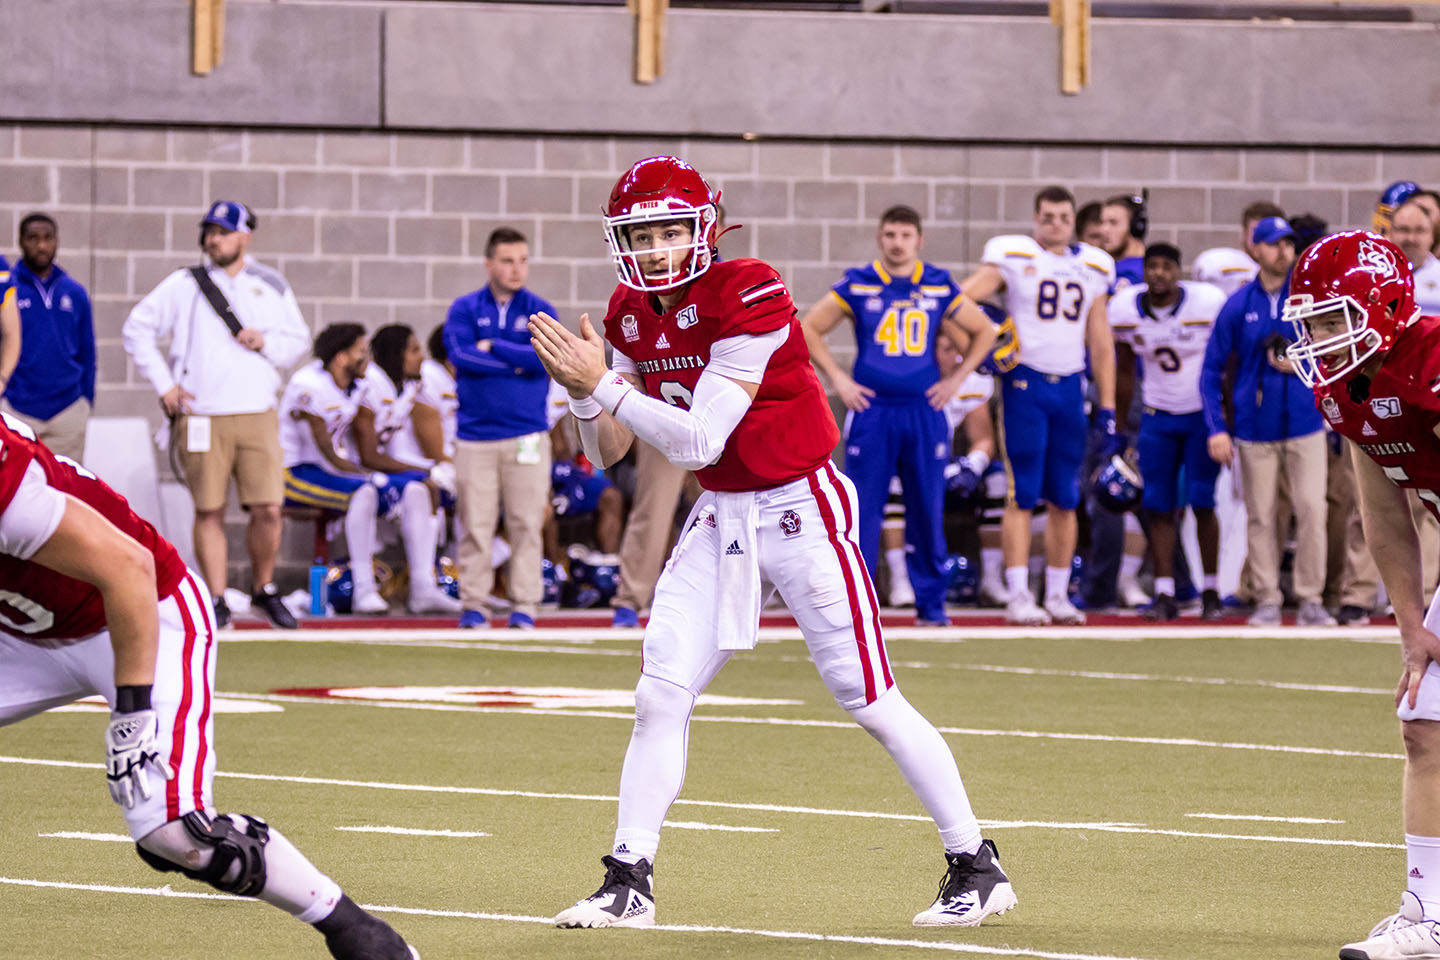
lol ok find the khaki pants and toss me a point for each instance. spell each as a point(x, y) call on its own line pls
point(63, 433)
point(658, 484)
point(488, 474)
point(1297, 464)
point(243, 445)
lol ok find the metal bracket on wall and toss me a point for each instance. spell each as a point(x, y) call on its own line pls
point(649, 37)
point(208, 35)
point(1073, 19)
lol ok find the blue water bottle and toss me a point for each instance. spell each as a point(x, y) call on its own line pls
point(317, 587)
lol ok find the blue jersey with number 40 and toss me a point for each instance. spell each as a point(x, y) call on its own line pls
point(896, 322)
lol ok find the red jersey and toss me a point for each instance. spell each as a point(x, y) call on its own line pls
point(36, 603)
point(789, 431)
point(1396, 423)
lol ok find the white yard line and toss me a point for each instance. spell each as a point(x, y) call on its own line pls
point(1248, 817)
point(415, 832)
point(691, 825)
point(82, 835)
point(944, 946)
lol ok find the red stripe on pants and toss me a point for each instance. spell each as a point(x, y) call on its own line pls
point(208, 623)
point(857, 619)
point(864, 575)
point(177, 742)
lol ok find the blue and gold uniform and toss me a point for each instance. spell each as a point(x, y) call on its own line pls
point(897, 320)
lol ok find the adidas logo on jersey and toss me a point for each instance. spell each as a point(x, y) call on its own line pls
point(1367, 430)
point(734, 549)
point(662, 343)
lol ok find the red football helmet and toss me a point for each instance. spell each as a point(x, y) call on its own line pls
point(660, 190)
point(1355, 277)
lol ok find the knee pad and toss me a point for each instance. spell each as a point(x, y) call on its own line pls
point(658, 701)
point(230, 845)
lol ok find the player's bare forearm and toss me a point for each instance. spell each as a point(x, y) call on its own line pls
point(368, 442)
point(429, 431)
point(9, 339)
point(91, 549)
point(967, 320)
point(822, 318)
point(983, 283)
point(1392, 538)
point(1101, 344)
point(326, 448)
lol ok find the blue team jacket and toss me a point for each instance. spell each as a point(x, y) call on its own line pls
point(501, 392)
point(1269, 405)
point(57, 344)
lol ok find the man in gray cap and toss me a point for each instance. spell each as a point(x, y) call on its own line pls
point(233, 327)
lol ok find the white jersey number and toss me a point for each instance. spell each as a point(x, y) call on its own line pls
point(676, 394)
point(1397, 474)
point(40, 620)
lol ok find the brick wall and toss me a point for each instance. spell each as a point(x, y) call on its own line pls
point(391, 227)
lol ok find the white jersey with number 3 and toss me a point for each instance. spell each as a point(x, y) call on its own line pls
point(1170, 342)
point(1049, 295)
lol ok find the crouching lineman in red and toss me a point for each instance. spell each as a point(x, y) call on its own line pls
point(711, 369)
point(81, 576)
point(1374, 364)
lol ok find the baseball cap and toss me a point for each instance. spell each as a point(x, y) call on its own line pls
point(1271, 230)
point(230, 215)
point(1391, 199)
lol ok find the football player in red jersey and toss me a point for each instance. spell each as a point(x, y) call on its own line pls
point(1374, 364)
point(95, 601)
point(711, 368)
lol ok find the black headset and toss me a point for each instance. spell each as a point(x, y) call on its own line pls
point(1140, 214)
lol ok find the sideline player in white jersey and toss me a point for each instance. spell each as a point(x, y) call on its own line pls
point(1229, 268)
point(1166, 322)
point(97, 602)
point(1056, 291)
point(385, 439)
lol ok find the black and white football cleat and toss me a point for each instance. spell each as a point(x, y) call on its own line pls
point(625, 899)
point(973, 888)
point(352, 933)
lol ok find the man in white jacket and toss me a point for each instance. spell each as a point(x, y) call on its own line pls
point(219, 386)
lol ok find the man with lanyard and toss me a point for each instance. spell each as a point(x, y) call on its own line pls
point(896, 398)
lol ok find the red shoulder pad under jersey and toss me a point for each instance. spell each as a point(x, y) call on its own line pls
point(751, 298)
point(16, 451)
point(1415, 362)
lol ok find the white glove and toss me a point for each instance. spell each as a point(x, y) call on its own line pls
point(443, 476)
point(378, 480)
point(130, 747)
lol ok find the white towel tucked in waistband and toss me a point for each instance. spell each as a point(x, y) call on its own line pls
point(737, 589)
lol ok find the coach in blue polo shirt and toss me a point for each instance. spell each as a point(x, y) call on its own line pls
point(53, 389)
point(502, 446)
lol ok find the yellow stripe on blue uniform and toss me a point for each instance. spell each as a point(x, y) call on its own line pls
point(313, 494)
point(841, 300)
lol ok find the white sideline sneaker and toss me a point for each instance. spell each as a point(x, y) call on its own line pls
point(1023, 610)
point(901, 593)
point(369, 603)
point(973, 888)
point(993, 594)
point(1061, 610)
point(1131, 594)
point(433, 601)
point(625, 899)
point(1407, 935)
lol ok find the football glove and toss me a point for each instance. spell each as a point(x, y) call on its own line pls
point(442, 475)
point(961, 479)
point(1112, 441)
point(131, 747)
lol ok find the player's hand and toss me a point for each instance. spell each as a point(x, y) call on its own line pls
point(176, 400)
point(251, 339)
point(576, 363)
point(1417, 650)
point(852, 394)
point(130, 748)
point(1221, 449)
point(1112, 440)
point(942, 391)
point(442, 475)
point(961, 480)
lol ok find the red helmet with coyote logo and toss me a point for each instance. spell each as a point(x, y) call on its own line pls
point(654, 192)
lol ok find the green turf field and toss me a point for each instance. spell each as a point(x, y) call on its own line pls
point(1089, 760)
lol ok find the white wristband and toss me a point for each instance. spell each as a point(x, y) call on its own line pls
point(610, 391)
point(978, 460)
point(586, 408)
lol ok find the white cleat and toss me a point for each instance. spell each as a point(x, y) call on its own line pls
point(369, 603)
point(433, 601)
point(901, 593)
point(1061, 610)
point(1023, 610)
point(1131, 594)
point(625, 899)
point(994, 594)
point(1407, 935)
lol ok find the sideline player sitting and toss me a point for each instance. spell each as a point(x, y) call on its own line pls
point(1373, 362)
point(711, 369)
point(112, 610)
point(385, 440)
point(321, 470)
point(896, 397)
point(1056, 292)
point(1166, 322)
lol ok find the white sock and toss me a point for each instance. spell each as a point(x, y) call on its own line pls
point(926, 763)
point(895, 559)
point(1057, 582)
point(1209, 581)
point(654, 768)
point(1165, 586)
point(1130, 567)
point(1018, 580)
point(360, 521)
point(1422, 871)
point(419, 531)
point(992, 562)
